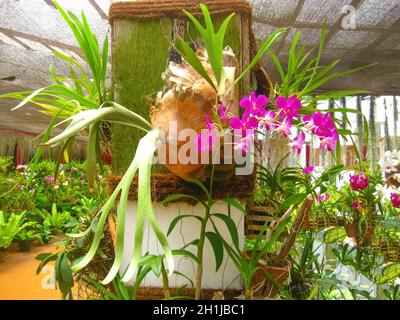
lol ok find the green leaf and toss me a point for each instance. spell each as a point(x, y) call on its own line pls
point(293, 200)
point(218, 248)
point(234, 203)
point(332, 172)
point(185, 253)
point(202, 187)
point(265, 46)
point(389, 273)
point(190, 56)
point(214, 42)
point(231, 226)
point(29, 97)
point(44, 259)
point(144, 155)
point(333, 235)
point(155, 264)
point(179, 196)
point(177, 219)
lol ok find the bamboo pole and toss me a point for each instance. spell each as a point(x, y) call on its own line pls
point(388, 142)
point(373, 145)
point(395, 120)
point(303, 211)
point(360, 129)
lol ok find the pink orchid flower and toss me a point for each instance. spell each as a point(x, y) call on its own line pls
point(244, 123)
point(269, 120)
point(359, 181)
point(308, 169)
point(288, 107)
point(284, 127)
point(395, 200)
point(223, 112)
point(254, 105)
point(297, 143)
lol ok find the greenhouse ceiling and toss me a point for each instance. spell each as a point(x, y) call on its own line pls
point(359, 32)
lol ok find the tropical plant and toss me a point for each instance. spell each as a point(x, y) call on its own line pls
point(303, 76)
point(5, 164)
point(119, 291)
point(392, 292)
point(10, 227)
point(148, 263)
point(207, 201)
point(54, 219)
point(63, 272)
point(247, 263)
point(275, 185)
point(30, 232)
point(214, 45)
point(81, 90)
point(92, 112)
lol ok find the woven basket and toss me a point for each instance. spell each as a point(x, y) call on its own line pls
point(259, 218)
point(390, 248)
point(322, 222)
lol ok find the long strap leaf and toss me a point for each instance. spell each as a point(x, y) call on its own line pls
point(145, 151)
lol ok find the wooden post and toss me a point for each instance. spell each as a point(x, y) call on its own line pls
point(388, 142)
point(360, 128)
point(374, 131)
point(343, 104)
point(139, 56)
point(395, 119)
point(303, 211)
point(140, 52)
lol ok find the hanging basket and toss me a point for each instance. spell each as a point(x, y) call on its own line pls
point(389, 248)
point(366, 232)
point(259, 219)
point(321, 222)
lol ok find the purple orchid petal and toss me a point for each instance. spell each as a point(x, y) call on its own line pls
point(245, 103)
point(236, 123)
point(261, 101)
point(281, 102)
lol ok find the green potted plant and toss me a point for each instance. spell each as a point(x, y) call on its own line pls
point(274, 185)
point(362, 197)
point(9, 227)
point(252, 263)
point(26, 237)
point(54, 220)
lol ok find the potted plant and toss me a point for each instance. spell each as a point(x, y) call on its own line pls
point(362, 197)
point(9, 227)
point(54, 220)
point(274, 185)
point(263, 268)
point(253, 263)
point(26, 237)
point(324, 212)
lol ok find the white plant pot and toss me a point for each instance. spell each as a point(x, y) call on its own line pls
point(186, 231)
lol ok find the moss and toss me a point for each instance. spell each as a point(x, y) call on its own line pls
point(140, 52)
